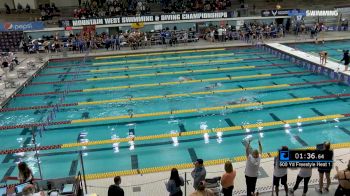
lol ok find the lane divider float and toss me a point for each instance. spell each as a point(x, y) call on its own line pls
point(99, 102)
point(188, 71)
point(159, 53)
point(151, 66)
point(174, 112)
point(147, 60)
point(180, 134)
point(162, 84)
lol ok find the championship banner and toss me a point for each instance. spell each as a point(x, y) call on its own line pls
point(145, 19)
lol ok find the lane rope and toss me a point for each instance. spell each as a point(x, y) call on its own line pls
point(159, 53)
point(161, 84)
point(169, 96)
point(164, 58)
point(179, 134)
point(151, 66)
point(173, 112)
point(188, 71)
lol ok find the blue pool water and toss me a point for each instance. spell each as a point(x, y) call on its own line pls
point(161, 152)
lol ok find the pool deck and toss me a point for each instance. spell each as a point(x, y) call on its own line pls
point(335, 66)
point(142, 185)
point(153, 184)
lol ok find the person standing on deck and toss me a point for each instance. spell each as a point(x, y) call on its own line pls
point(252, 167)
point(346, 59)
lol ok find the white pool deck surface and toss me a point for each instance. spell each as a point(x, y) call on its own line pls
point(153, 184)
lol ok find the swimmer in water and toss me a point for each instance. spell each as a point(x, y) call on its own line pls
point(217, 84)
point(183, 78)
point(131, 112)
point(241, 100)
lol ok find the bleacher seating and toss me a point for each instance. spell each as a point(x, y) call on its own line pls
point(10, 41)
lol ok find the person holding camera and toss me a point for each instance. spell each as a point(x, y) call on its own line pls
point(279, 174)
point(198, 173)
point(325, 171)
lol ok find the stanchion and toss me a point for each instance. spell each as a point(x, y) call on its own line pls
point(83, 170)
point(36, 153)
point(185, 184)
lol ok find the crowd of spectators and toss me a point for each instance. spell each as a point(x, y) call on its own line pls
point(85, 41)
point(48, 11)
point(251, 32)
point(19, 8)
point(92, 8)
point(170, 6)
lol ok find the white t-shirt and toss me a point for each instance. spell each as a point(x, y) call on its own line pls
point(279, 172)
point(252, 166)
point(220, 31)
point(305, 172)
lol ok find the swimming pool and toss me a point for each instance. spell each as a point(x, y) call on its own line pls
point(214, 98)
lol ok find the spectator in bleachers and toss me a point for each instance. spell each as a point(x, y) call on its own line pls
point(325, 171)
point(173, 186)
point(198, 173)
point(252, 167)
point(115, 189)
point(304, 174)
point(90, 9)
point(343, 177)
point(202, 190)
point(227, 179)
point(279, 174)
point(25, 174)
point(19, 8)
point(8, 9)
point(27, 8)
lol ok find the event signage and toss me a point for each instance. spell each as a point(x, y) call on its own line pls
point(151, 18)
point(343, 8)
point(283, 12)
point(296, 12)
point(21, 26)
point(269, 13)
point(322, 13)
